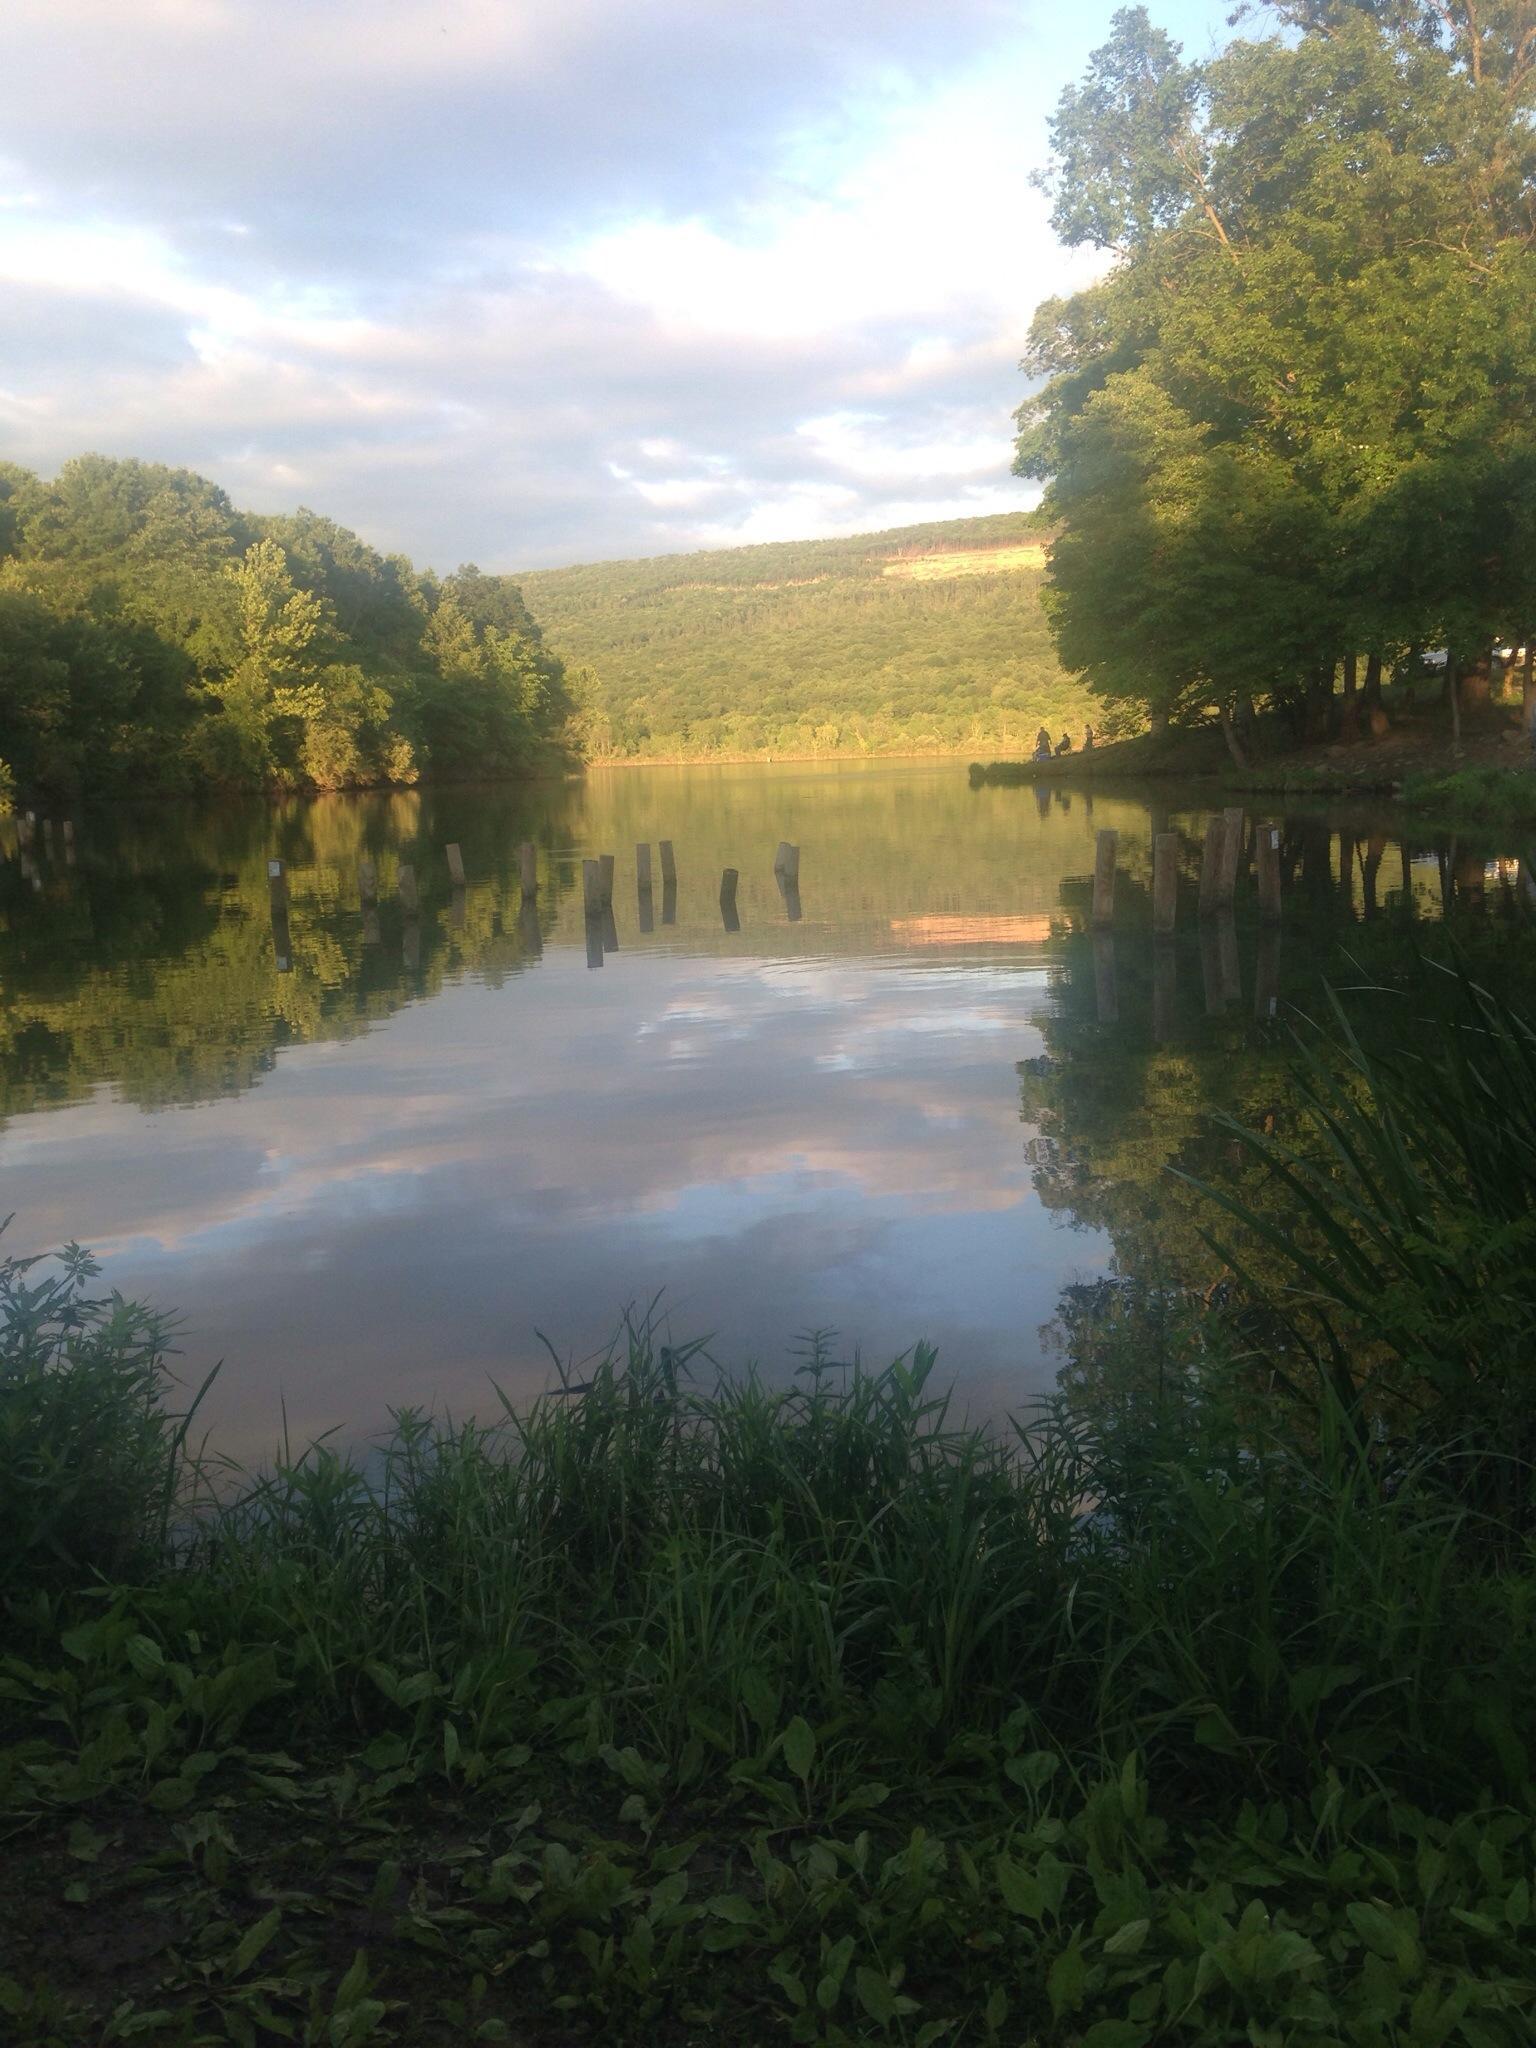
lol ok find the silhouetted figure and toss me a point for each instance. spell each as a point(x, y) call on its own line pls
point(1064, 745)
point(1088, 739)
point(1042, 745)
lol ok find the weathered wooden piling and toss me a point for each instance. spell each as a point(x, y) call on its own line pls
point(1106, 847)
point(647, 908)
point(277, 891)
point(1210, 969)
point(528, 930)
point(455, 865)
point(1210, 864)
point(410, 944)
point(1231, 966)
point(367, 883)
point(605, 862)
point(592, 887)
point(1105, 988)
point(528, 869)
point(405, 889)
point(786, 862)
point(594, 930)
point(1233, 848)
point(643, 866)
point(610, 930)
point(456, 907)
point(370, 924)
point(1266, 975)
point(668, 865)
point(1268, 867)
point(669, 903)
point(1164, 989)
point(728, 916)
point(1165, 881)
point(789, 891)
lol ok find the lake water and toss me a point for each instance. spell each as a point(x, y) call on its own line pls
point(370, 1159)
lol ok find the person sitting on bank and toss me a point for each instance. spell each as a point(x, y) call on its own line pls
point(1088, 739)
point(1065, 746)
point(1042, 745)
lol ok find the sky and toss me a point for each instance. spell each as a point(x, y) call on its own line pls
point(528, 282)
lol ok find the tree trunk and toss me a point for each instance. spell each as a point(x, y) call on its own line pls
point(1375, 849)
point(1348, 713)
point(1370, 698)
point(1320, 701)
point(1230, 734)
point(1477, 683)
point(1453, 695)
point(1528, 688)
point(1159, 721)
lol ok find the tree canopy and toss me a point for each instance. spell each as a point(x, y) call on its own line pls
point(1295, 421)
point(154, 637)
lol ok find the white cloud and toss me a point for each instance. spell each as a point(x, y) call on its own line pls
point(538, 281)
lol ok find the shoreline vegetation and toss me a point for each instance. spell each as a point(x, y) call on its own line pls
point(1490, 773)
point(155, 639)
point(682, 1707)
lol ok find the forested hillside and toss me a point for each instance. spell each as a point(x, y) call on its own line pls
point(926, 637)
point(154, 638)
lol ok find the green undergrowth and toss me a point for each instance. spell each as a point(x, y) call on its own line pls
point(1484, 795)
point(689, 1707)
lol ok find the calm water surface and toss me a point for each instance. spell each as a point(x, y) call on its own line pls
point(370, 1159)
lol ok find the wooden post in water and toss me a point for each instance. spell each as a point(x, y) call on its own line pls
point(592, 888)
point(405, 889)
point(1105, 848)
point(367, 883)
point(594, 930)
point(1266, 974)
point(728, 915)
point(1165, 881)
point(1164, 989)
point(1106, 992)
point(67, 832)
point(1268, 865)
point(643, 867)
point(1210, 969)
point(1210, 863)
point(789, 892)
point(528, 929)
point(605, 861)
point(786, 862)
point(456, 901)
point(528, 869)
point(277, 890)
point(668, 865)
point(610, 930)
point(455, 866)
point(1233, 846)
point(669, 903)
point(647, 910)
point(1231, 968)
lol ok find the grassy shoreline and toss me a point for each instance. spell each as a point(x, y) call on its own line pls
point(685, 1707)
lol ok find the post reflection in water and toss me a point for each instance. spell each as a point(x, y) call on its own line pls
point(870, 1113)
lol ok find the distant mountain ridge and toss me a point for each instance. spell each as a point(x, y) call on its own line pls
point(923, 638)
